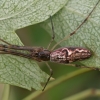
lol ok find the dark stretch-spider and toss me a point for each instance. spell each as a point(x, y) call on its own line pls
point(61, 55)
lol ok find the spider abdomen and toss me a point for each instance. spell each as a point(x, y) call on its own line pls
point(69, 54)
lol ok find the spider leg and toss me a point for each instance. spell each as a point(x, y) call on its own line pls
point(13, 52)
point(51, 73)
point(53, 33)
point(4, 41)
point(77, 27)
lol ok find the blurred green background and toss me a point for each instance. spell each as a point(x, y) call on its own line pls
point(37, 36)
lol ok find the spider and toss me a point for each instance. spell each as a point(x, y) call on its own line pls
point(61, 55)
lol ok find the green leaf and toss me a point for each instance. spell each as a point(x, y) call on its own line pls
point(18, 14)
point(15, 14)
point(88, 36)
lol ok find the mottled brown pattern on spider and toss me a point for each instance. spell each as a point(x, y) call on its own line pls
point(69, 54)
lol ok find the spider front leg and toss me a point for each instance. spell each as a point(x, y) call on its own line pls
point(4, 41)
